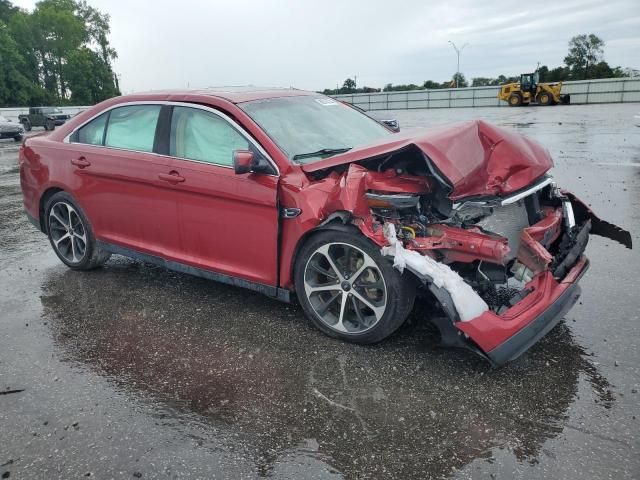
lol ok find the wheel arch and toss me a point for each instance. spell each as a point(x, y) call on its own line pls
point(337, 221)
point(44, 198)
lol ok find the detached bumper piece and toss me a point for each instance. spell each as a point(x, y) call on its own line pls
point(548, 296)
point(505, 337)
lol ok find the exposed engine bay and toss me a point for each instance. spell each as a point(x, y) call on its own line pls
point(487, 242)
point(497, 243)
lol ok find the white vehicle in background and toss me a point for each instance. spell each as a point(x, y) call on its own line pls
point(636, 119)
point(9, 129)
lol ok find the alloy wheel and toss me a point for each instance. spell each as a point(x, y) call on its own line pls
point(68, 233)
point(345, 288)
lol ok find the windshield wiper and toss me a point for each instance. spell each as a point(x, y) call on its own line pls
point(323, 151)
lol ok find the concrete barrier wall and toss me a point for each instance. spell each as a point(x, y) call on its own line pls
point(611, 90)
point(12, 113)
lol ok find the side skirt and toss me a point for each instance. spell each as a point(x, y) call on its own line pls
point(278, 293)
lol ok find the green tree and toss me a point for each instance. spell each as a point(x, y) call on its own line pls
point(57, 54)
point(14, 87)
point(430, 84)
point(7, 10)
point(584, 52)
point(482, 82)
point(89, 78)
point(348, 86)
point(22, 31)
point(459, 81)
point(558, 74)
point(543, 73)
point(58, 33)
point(98, 29)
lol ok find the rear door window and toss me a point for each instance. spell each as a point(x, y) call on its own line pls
point(203, 136)
point(93, 132)
point(132, 127)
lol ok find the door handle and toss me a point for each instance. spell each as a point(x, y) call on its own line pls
point(171, 177)
point(80, 162)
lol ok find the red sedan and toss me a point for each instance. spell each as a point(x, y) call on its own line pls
point(286, 191)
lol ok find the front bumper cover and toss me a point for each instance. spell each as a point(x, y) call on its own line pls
point(544, 300)
point(502, 338)
point(10, 133)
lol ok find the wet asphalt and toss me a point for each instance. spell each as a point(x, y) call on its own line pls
point(132, 371)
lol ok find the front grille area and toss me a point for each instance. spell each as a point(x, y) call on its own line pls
point(508, 221)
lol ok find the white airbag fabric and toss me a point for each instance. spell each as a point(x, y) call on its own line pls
point(467, 302)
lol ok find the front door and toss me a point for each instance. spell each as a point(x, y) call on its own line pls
point(228, 223)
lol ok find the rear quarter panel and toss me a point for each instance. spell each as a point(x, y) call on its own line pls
point(42, 166)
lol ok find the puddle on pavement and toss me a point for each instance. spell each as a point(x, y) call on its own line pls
point(254, 367)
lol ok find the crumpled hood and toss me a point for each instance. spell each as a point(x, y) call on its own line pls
point(475, 157)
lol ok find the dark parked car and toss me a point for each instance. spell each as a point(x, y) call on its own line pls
point(47, 117)
point(9, 129)
point(390, 122)
point(285, 191)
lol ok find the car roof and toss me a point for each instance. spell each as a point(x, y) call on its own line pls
point(234, 94)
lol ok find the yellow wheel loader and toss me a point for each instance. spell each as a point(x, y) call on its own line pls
point(529, 90)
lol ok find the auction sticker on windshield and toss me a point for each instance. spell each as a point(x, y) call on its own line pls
point(326, 101)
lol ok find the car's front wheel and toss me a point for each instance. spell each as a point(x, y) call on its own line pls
point(71, 235)
point(349, 290)
point(18, 138)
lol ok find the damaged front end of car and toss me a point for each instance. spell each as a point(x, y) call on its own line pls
point(472, 212)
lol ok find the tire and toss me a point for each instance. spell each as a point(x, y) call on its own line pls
point(76, 246)
point(515, 100)
point(545, 98)
point(366, 308)
point(17, 138)
point(27, 125)
point(49, 125)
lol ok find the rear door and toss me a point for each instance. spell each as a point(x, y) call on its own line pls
point(228, 223)
point(122, 184)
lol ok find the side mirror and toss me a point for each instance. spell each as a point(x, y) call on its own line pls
point(393, 124)
point(243, 161)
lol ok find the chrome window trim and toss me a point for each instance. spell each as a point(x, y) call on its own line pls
point(507, 200)
point(527, 192)
point(233, 123)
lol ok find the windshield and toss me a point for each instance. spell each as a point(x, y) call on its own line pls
point(308, 128)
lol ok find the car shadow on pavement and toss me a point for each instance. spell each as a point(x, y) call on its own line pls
point(254, 367)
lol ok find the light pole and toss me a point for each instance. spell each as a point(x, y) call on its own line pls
point(458, 51)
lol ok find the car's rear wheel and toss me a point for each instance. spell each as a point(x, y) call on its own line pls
point(71, 235)
point(49, 125)
point(349, 290)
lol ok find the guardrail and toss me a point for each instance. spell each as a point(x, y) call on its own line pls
point(610, 90)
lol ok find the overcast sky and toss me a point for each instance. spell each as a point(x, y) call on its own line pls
point(316, 44)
